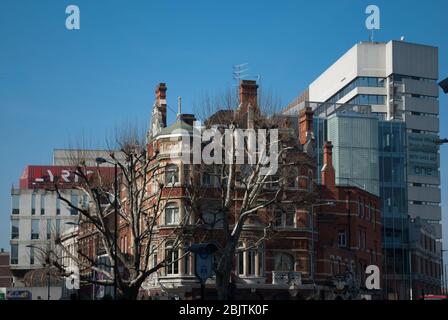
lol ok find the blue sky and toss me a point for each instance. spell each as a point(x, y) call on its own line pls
point(59, 86)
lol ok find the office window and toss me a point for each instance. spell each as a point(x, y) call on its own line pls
point(35, 229)
point(171, 214)
point(33, 204)
point(14, 229)
point(171, 256)
point(74, 201)
point(42, 204)
point(15, 204)
point(58, 206)
point(31, 255)
point(48, 229)
point(14, 254)
point(342, 239)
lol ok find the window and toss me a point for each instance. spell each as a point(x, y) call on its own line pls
point(342, 239)
point(284, 262)
point(251, 253)
point(240, 258)
point(33, 204)
point(285, 218)
point(171, 174)
point(187, 178)
point(15, 229)
point(15, 204)
point(42, 204)
point(155, 184)
point(58, 206)
point(171, 257)
point(154, 256)
point(171, 214)
point(207, 179)
point(35, 229)
point(125, 244)
point(48, 229)
point(75, 202)
point(31, 255)
point(359, 207)
point(14, 253)
point(58, 227)
point(187, 258)
point(261, 260)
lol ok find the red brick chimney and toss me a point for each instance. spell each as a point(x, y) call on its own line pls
point(327, 172)
point(161, 100)
point(248, 95)
point(305, 124)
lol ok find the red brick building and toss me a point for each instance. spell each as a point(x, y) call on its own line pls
point(349, 235)
point(316, 245)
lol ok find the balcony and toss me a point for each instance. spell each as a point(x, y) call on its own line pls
point(286, 277)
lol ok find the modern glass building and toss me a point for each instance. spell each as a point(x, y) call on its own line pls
point(393, 193)
point(398, 82)
point(355, 149)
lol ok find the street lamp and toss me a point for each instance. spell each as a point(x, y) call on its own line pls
point(100, 161)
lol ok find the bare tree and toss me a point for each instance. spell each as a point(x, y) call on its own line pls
point(142, 198)
point(248, 194)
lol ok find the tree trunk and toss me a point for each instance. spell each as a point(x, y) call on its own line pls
point(130, 293)
point(223, 285)
point(223, 274)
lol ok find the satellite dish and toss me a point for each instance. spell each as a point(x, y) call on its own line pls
point(402, 38)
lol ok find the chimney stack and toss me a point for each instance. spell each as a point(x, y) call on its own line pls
point(327, 172)
point(305, 124)
point(248, 95)
point(161, 101)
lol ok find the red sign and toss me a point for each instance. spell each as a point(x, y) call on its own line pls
point(44, 177)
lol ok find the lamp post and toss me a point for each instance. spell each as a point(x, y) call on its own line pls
point(101, 161)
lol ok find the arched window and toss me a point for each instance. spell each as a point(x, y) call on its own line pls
point(171, 174)
point(171, 258)
point(172, 214)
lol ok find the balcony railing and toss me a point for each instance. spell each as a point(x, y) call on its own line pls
point(286, 277)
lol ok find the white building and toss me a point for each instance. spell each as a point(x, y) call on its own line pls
point(38, 217)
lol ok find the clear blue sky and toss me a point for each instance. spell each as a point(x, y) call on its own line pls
point(57, 86)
